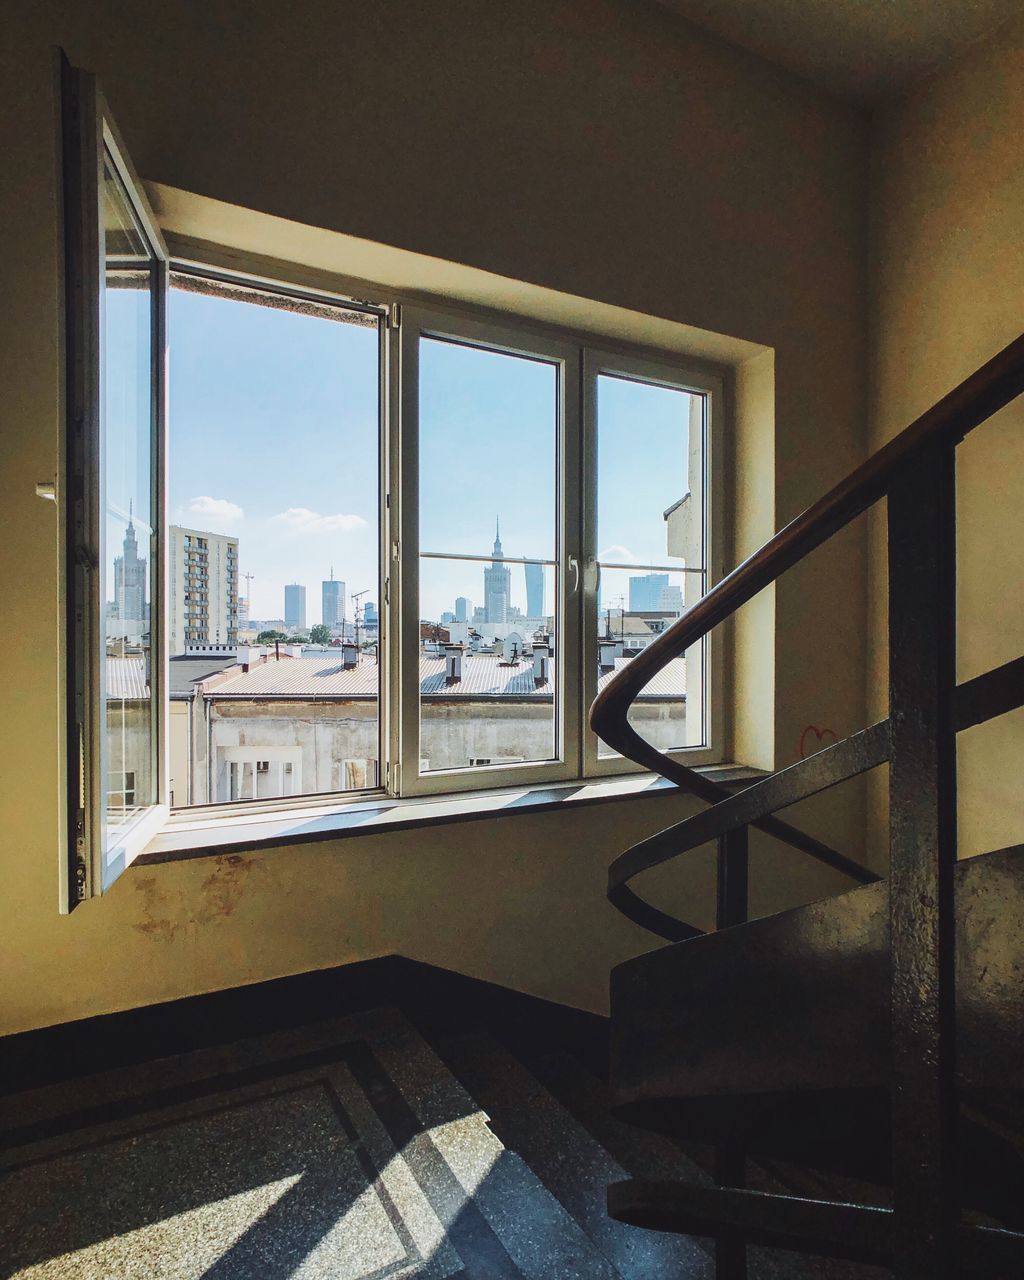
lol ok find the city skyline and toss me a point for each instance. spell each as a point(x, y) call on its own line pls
point(256, 391)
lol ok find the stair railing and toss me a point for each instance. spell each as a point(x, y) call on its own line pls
point(915, 473)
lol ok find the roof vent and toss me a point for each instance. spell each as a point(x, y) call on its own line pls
point(349, 655)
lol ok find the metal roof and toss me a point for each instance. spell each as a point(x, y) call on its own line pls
point(126, 678)
point(183, 671)
point(325, 676)
point(483, 676)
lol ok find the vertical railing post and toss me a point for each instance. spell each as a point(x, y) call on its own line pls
point(730, 1162)
point(922, 859)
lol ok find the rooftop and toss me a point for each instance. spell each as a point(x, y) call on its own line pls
point(484, 676)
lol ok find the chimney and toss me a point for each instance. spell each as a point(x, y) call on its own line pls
point(453, 663)
point(248, 656)
point(541, 662)
point(349, 655)
point(607, 651)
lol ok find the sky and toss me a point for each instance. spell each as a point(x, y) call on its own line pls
point(274, 438)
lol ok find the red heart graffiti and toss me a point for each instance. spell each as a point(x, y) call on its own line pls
point(820, 734)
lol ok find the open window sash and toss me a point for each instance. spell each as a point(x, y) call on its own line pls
point(113, 499)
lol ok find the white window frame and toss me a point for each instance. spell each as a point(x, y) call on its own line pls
point(658, 371)
point(579, 358)
point(94, 861)
point(518, 340)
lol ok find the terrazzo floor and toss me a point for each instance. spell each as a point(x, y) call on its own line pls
point(347, 1149)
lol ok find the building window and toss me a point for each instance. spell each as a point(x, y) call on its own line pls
point(439, 577)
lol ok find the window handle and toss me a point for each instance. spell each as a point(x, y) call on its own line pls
point(574, 565)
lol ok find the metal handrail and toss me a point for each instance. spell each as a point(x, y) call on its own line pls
point(976, 399)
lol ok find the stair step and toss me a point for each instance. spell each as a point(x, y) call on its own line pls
point(570, 1161)
point(827, 1228)
point(646, 1154)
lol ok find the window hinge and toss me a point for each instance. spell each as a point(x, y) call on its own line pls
point(395, 316)
point(387, 591)
point(396, 551)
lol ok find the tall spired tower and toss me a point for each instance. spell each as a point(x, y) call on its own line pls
point(497, 583)
point(130, 581)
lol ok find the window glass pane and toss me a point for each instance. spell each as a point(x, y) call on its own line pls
point(649, 474)
point(651, 546)
point(488, 446)
point(488, 435)
point(273, 546)
point(487, 689)
point(126, 447)
point(633, 610)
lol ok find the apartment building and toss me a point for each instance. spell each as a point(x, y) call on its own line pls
point(202, 587)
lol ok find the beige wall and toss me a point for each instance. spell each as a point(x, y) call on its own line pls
point(948, 272)
point(598, 147)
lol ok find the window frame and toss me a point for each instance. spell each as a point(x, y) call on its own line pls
point(89, 135)
point(655, 369)
point(416, 322)
point(580, 357)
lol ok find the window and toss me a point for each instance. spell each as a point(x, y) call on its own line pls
point(116, 264)
point(274, 474)
point(401, 548)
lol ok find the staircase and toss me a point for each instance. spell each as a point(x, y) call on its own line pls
point(878, 1035)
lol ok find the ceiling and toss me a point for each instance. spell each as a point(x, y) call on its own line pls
point(865, 50)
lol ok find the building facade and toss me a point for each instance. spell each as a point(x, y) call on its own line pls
point(290, 724)
point(295, 607)
point(645, 592)
point(534, 590)
point(333, 603)
point(203, 588)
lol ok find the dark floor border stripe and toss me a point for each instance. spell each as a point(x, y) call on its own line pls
point(434, 1000)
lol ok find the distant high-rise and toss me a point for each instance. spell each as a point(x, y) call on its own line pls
point(463, 609)
point(497, 584)
point(295, 606)
point(130, 587)
point(534, 590)
point(202, 588)
point(447, 617)
point(645, 592)
point(370, 618)
point(333, 614)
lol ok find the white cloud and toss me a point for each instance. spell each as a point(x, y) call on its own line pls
point(217, 509)
point(617, 554)
point(302, 520)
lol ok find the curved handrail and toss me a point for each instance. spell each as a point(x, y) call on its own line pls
point(982, 394)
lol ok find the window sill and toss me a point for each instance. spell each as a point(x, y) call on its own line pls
point(195, 837)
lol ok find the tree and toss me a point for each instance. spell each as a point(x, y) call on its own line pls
point(296, 640)
point(320, 633)
point(269, 637)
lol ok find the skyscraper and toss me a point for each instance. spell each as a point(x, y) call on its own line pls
point(645, 592)
point(463, 609)
point(130, 587)
point(203, 588)
point(295, 606)
point(534, 590)
point(333, 614)
point(497, 583)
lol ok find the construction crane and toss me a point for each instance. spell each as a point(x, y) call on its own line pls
point(248, 593)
